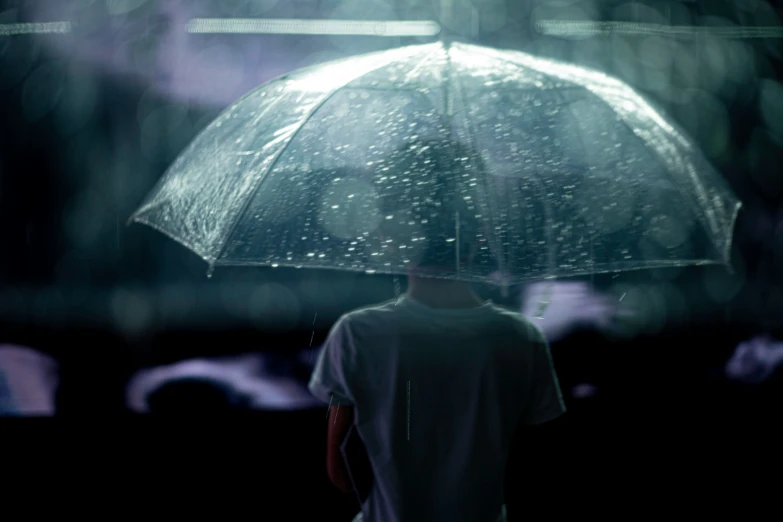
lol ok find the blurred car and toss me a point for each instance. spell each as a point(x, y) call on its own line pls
point(253, 381)
point(559, 308)
point(755, 360)
point(28, 382)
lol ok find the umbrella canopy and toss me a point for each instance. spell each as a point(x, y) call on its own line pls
point(469, 160)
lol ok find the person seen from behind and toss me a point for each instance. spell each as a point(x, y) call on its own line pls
point(434, 383)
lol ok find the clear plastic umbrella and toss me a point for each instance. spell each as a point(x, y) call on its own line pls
point(487, 165)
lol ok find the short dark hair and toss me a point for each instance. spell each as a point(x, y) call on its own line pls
point(448, 167)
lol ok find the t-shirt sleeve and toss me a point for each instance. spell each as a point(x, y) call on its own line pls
point(335, 368)
point(547, 399)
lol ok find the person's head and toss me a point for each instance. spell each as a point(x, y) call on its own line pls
point(445, 173)
point(453, 170)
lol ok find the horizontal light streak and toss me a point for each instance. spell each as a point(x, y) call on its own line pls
point(587, 28)
point(324, 27)
point(37, 28)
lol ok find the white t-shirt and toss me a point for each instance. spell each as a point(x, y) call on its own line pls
point(437, 396)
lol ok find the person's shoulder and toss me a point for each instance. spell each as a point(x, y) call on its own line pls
point(369, 312)
point(524, 326)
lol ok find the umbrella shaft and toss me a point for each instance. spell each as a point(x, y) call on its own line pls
point(457, 241)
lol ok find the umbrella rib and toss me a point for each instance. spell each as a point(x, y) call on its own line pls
point(661, 126)
point(547, 206)
point(266, 175)
point(474, 149)
point(279, 154)
point(552, 257)
point(424, 60)
point(268, 170)
point(635, 96)
point(152, 203)
point(681, 190)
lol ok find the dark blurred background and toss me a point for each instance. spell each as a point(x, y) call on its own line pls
point(670, 375)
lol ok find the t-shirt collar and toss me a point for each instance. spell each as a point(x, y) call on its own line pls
point(411, 303)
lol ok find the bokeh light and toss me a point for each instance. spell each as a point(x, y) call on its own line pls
point(584, 390)
point(120, 7)
point(132, 310)
point(78, 101)
point(274, 307)
point(42, 90)
point(771, 108)
point(721, 285)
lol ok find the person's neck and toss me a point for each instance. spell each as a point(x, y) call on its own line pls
point(437, 293)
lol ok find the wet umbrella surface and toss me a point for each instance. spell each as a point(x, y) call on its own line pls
point(538, 168)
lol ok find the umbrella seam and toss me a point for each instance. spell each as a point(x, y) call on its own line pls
point(145, 206)
point(154, 192)
point(474, 148)
point(639, 99)
point(275, 160)
point(147, 203)
point(680, 189)
point(553, 257)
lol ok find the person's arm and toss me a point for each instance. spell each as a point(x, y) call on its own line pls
point(347, 462)
point(340, 422)
point(331, 383)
